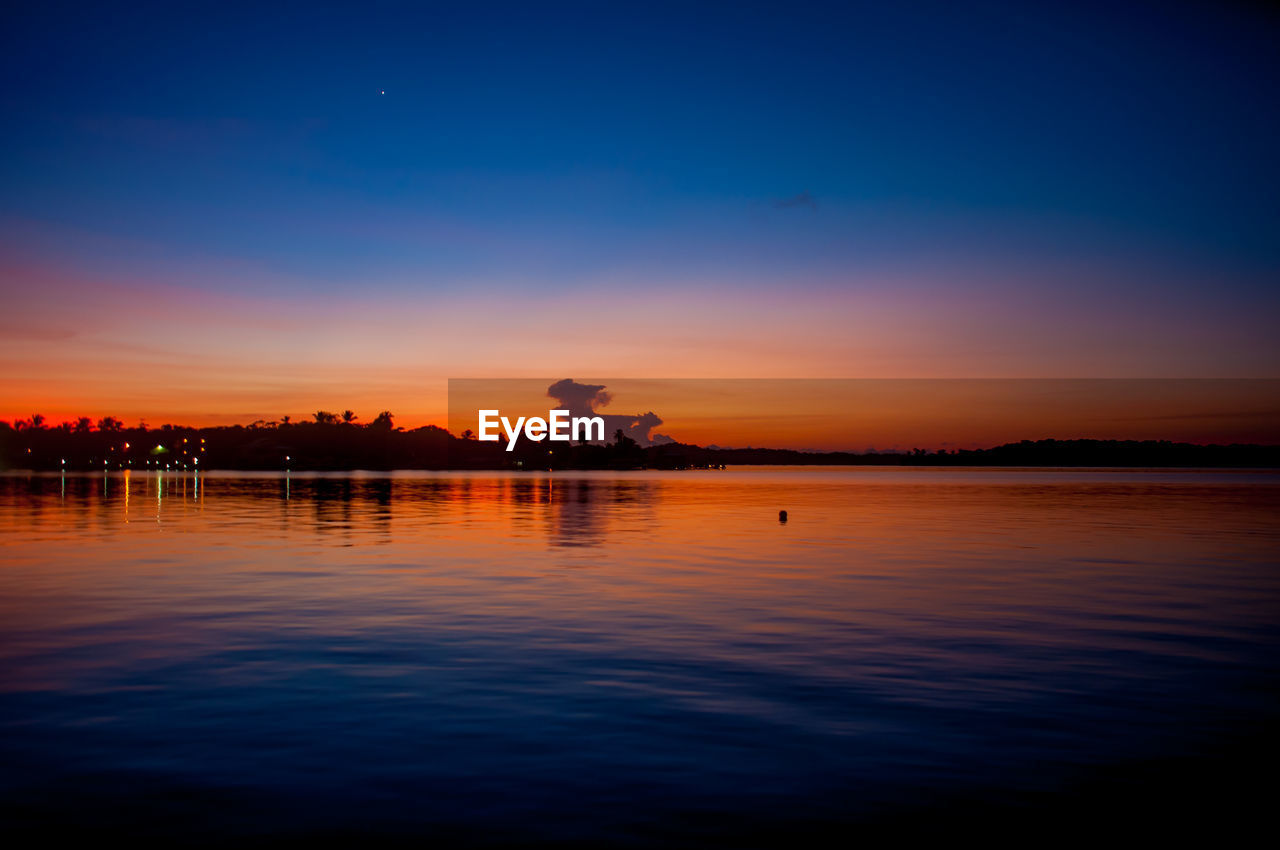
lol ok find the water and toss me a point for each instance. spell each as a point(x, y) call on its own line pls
point(635, 658)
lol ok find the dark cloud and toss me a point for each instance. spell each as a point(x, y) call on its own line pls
point(586, 399)
point(804, 199)
point(577, 398)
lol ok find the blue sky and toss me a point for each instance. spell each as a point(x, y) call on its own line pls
point(242, 131)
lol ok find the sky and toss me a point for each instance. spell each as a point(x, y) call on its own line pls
point(215, 213)
point(880, 414)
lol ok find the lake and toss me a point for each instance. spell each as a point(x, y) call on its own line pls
point(637, 659)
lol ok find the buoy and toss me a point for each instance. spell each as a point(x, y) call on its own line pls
point(782, 516)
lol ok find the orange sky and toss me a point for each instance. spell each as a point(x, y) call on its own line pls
point(229, 342)
point(174, 347)
point(853, 414)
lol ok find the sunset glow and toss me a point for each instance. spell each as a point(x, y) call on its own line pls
point(210, 247)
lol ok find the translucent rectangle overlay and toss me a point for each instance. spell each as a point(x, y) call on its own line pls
point(880, 415)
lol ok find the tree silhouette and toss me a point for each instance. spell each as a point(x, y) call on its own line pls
point(84, 425)
point(109, 424)
point(349, 416)
point(382, 421)
point(623, 442)
point(284, 420)
point(324, 417)
point(37, 420)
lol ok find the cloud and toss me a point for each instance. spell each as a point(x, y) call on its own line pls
point(641, 427)
point(804, 199)
point(585, 399)
point(579, 399)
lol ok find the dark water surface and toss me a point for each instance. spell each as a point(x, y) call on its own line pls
point(637, 658)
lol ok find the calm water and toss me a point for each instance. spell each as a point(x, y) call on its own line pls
point(634, 658)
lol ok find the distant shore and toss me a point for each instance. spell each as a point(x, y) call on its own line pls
point(330, 446)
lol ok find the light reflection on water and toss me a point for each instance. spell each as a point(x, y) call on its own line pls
point(593, 655)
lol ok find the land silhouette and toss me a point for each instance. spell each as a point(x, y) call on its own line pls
point(338, 441)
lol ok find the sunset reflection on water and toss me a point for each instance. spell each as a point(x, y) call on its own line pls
point(587, 655)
